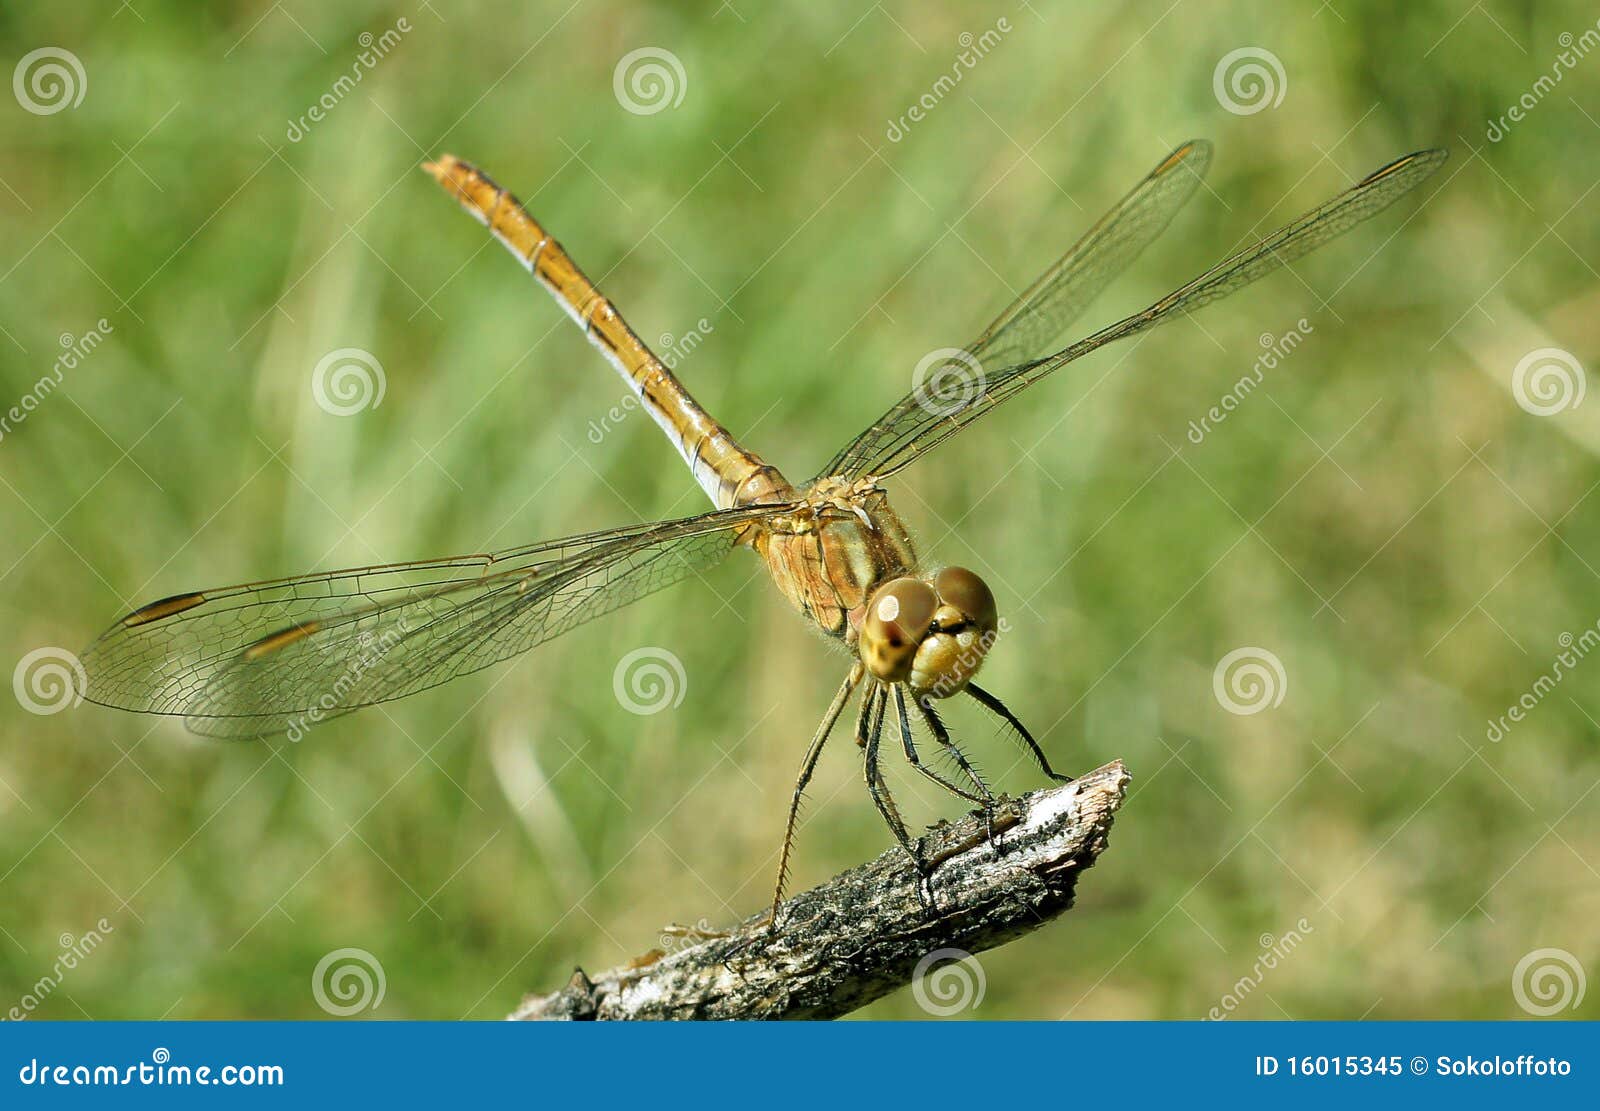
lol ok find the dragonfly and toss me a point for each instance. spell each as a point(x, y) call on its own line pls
point(278, 656)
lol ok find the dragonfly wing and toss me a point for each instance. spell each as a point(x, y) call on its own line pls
point(921, 420)
point(1033, 323)
point(264, 658)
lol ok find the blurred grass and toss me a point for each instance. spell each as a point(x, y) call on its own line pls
point(483, 838)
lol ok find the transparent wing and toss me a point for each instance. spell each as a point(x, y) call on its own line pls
point(1032, 324)
point(967, 390)
point(268, 657)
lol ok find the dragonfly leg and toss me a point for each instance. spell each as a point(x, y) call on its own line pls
point(870, 726)
point(998, 708)
point(807, 767)
point(942, 735)
point(984, 798)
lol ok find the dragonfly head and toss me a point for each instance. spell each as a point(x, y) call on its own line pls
point(930, 633)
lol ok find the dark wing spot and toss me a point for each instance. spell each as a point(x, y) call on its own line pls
point(280, 639)
point(166, 607)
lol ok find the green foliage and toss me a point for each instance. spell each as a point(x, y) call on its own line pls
point(1380, 514)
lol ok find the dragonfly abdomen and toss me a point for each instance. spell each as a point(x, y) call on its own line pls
point(728, 474)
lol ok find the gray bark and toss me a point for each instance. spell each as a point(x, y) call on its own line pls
point(870, 930)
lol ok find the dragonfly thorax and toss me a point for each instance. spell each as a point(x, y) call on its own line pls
point(930, 632)
point(827, 556)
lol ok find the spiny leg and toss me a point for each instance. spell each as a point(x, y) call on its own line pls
point(807, 767)
point(871, 728)
point(984, 698)
point(942, 735)
point(909, 742)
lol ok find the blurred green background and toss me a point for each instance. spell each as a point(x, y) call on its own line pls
point(1381, 515)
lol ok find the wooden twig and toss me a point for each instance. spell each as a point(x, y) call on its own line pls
point(868, 931)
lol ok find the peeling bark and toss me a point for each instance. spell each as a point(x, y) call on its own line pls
point(862, 934)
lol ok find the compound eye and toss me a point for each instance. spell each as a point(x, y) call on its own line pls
point(896, 623)
point(968, 593)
